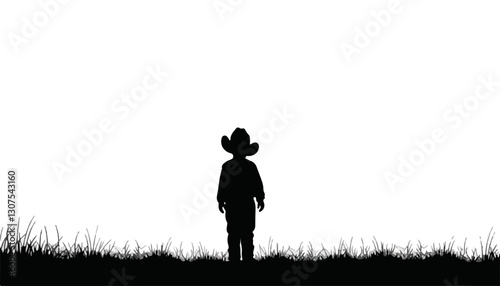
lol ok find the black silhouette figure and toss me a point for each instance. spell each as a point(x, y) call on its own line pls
point(239, 184)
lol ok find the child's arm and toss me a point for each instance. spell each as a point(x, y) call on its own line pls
point(259, 190)
point(221, 193)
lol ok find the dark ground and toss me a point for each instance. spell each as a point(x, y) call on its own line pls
point(43, 269)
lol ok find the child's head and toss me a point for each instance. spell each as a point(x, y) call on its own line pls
point(239, 145)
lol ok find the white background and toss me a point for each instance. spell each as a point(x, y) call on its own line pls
point(323, 171)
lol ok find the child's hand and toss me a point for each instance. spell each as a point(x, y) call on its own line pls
point(221, 207)
point(260, 205)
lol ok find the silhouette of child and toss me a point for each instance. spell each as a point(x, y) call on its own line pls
point(239, 184)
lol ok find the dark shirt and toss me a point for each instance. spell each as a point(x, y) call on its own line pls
point(239, 181)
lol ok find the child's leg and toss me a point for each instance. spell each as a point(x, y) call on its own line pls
point(247, 231)
point(233, 236)
point(247, 245)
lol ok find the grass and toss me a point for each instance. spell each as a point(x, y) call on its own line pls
point(97, 262)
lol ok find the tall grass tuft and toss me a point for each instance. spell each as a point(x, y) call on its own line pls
point(39, 244)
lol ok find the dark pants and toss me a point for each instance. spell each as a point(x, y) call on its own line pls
point(240, 217)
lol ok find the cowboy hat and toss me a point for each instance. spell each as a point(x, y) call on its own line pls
point(239, 143)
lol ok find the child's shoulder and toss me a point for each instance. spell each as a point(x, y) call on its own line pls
point(248, 162)
point(229, 163)
point(233, 163)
